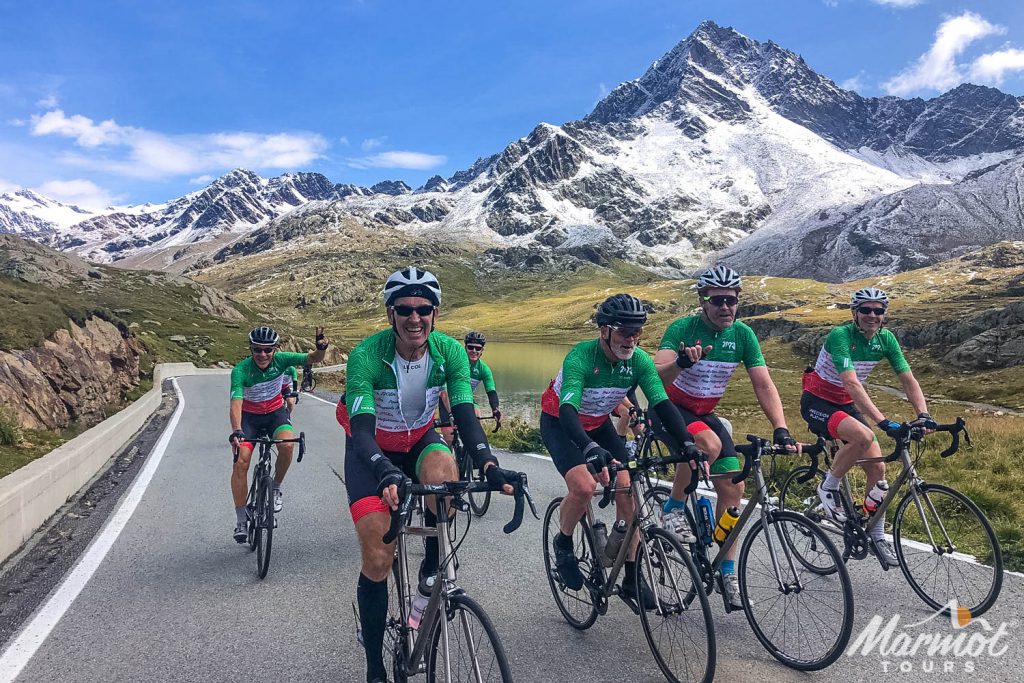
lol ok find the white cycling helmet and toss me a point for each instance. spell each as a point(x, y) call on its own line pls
point(866, 294)
point(412, 282)
point(719, 277)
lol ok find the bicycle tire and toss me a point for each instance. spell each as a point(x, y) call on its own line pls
point(653, 500)
point(932, 494)
point(803, 498)
point(394, 629)
point(578, 607)
point(831, 648)
point(478, 502)
point(676, 592)
point(461, 611)
point(264, 525)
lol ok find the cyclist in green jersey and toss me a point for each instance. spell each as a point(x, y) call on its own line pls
point(479, 374)
point(836, 405)
point(393, 380)
point(696, 358)
point(257, 408)
point(576, 429)
point(289, 388)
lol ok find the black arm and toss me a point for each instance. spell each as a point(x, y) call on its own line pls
point(492, 398)
point(569, 418)
point(473, 437)
point(364, 437)
point(673, 421)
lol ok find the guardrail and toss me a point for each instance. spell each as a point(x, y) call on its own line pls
point(32, 494)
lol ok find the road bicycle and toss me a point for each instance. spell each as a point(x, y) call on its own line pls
point(680, 630)
point(455, 640)
point(259, 506)
point(946, 547)
point(308, 380)
point(801, 620)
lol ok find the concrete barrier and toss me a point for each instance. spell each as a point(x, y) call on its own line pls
point(30, 495)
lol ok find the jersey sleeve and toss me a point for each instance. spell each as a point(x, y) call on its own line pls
point(672, 337)
point(237, 387)
point(752, 356)
point(895, 355)
point(837, 343)
point(456, 369)
point(648, 379)
point(573, 373)
point(290, 359)
point(487, 377)
point(359, 374)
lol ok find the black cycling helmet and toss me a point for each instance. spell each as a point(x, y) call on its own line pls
point(621, 309)
point(264, 336)
point(475, 338)
point(412, 281)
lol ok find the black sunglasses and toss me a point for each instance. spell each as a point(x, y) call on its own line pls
point(628, 332)
point(261, 349)
point(722, 300)
point(473, 347)
point(868, 309)
point(406, 311)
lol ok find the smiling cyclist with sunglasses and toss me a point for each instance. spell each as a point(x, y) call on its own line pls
point(696, 358)
point(836, 406)
point(258, 408)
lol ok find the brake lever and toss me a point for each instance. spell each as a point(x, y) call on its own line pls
point(529, 498)
point(517, 513)
point(401, 513)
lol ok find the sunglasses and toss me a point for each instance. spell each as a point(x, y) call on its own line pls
point(471, 347)
point(722, 300)
point(261, 349)
point(628, 332)
point(406, 311)
point(865, 310)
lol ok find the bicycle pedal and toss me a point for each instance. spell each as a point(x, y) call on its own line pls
point(630, 602)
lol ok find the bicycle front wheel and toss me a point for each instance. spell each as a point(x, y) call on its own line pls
point(681, 630)
point(479, 501)
point(474, 651)
point(264, 525)
point(802, 617)
point(802, 497)
point(947, 549)
point(578, 607)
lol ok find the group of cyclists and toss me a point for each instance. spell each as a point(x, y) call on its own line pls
point(398, 378)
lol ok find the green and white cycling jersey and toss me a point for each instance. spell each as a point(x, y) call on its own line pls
point(260, 390)
point(372, 386)
point(479, 372)
point(701, 386)
point(595, 386)
point(846, 348)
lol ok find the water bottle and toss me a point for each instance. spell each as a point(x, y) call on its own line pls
point(706, 519)
point(876, 496)
point(615, 539)
point(600, 539)
point(726, 523)
point(420, 600)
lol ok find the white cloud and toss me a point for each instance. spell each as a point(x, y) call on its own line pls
point(898, 3)
point(993, 67)
point(372, 143)
point(854, 83)
point(141, 153)
point(937, 68)
point(400, 159)
point(343, 140)
point(84, 193)
point(48, 102)
point(202, 180)
point(8, 186)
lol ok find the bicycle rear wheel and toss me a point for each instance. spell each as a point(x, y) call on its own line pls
point(929, 561)
point(475, 653)
point(578, 607)
point(264, 524)
point(681, 631)
point(806, 622)
point(652, 502)
point(478, 501)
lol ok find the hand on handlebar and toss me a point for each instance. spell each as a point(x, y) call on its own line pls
point(597, 460)
point(782, 437)
point(926, 422)
point(506, 479)
point(891, 428)
point(236, 437)
point(496, 414)
point(389, 478)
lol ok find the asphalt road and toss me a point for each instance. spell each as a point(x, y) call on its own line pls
point(176, 599)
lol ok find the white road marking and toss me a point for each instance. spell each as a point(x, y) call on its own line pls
point(32, 636)
point(330, 403)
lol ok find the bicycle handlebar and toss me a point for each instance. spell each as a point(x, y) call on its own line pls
point(759, 446)
point(651, 462)
point(407, 490)
point(301, 440)
point(915, 431)
point(438, 424)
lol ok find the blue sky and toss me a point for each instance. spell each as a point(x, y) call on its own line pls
point(128, 102)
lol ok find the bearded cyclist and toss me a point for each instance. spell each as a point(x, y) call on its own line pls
point(257, 408)
point(696, 358)
point(392, 384)
point(836, 405)
point(575, 427)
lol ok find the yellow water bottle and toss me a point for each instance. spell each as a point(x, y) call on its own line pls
point(726, 523)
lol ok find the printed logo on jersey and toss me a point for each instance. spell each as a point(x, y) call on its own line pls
point(728, 344)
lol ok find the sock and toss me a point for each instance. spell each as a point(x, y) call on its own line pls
point(240, 515)
point(429, 564)
point(831, 482)
point(563, 541)
point(372, 597)
point(277, 485)
point(627, 571)
point(877, 532)
point(728, 566)
point(672, 504)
